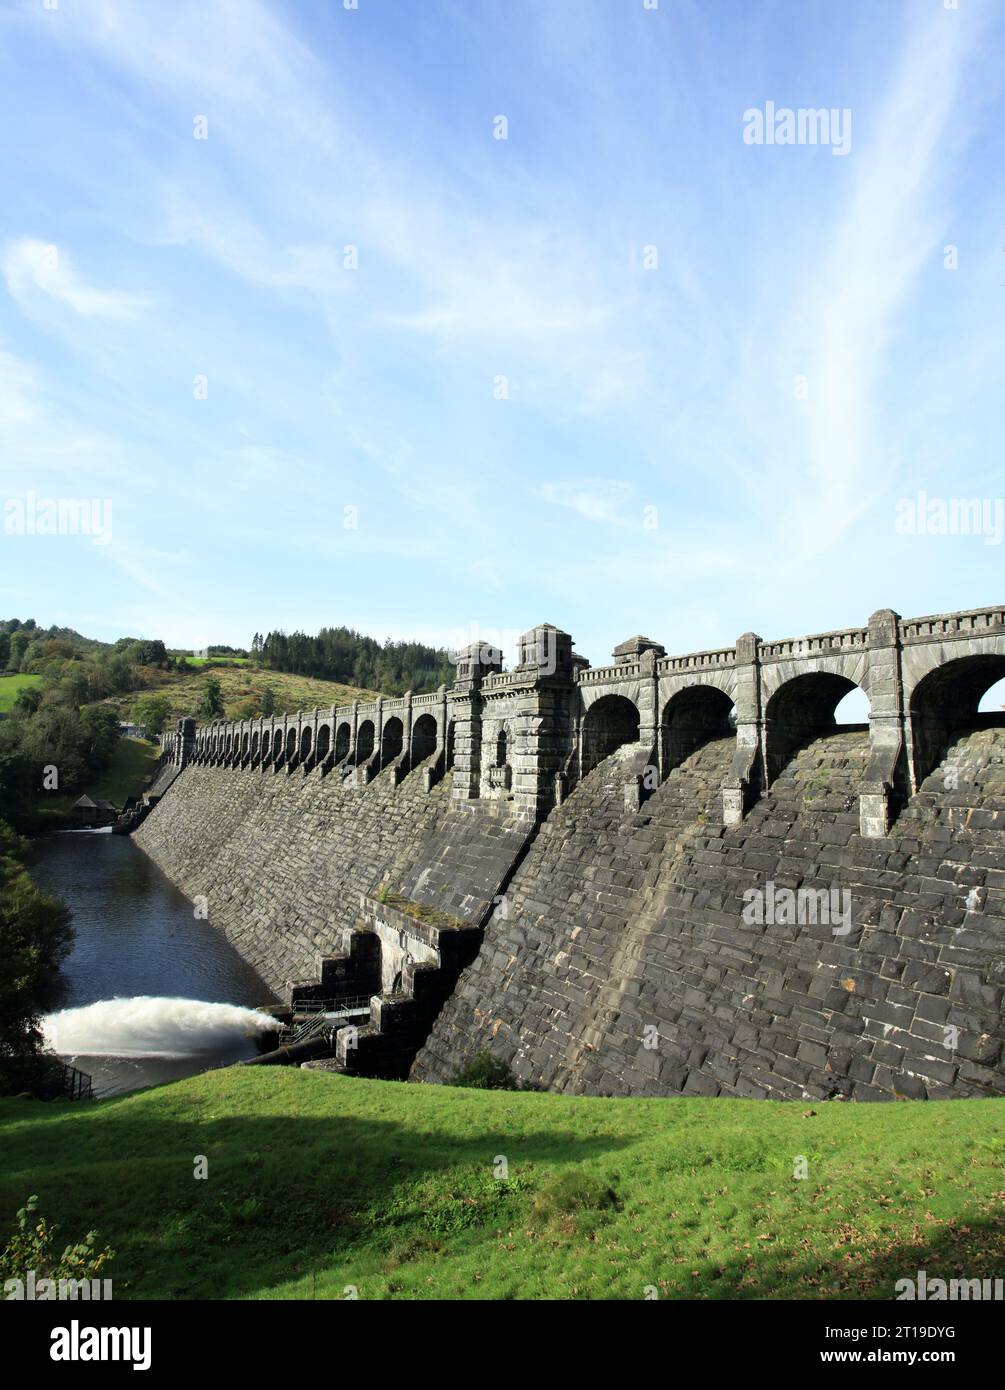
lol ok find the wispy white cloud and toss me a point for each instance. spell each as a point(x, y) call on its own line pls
point(32, 267)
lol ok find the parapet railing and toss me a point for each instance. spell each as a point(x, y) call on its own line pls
point(847, 638)
point(697, 661)
point(925, 629)
point(952, 624)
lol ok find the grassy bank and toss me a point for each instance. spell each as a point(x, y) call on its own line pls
point(11, 687)
point(319, 1182)
point(132, 765)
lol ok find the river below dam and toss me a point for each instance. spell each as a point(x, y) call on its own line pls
point(150, 992)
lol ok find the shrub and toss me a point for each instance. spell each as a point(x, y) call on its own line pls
point(32, 1248)
point(487, 1073)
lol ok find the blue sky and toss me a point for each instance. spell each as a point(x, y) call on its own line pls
point(715, 444)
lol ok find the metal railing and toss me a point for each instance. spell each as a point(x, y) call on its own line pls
point(334, 1008)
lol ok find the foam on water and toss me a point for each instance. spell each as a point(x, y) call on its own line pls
point(150, 1027)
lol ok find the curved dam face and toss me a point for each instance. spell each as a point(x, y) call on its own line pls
point(672, 875)
point(659, 953)
point(646, 951)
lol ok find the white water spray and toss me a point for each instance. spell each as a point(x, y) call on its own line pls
point(151, 1027)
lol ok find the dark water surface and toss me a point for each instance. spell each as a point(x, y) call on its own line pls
point(136, 935)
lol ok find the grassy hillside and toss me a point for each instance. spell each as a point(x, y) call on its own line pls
point(184, 689)
point(218, 660)
point(319, 1182)
point(10, 688)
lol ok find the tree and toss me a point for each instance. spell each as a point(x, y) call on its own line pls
point(152, 713)
point(211, 706)
point(100, 729)
point(19, 643)
point(35, 936)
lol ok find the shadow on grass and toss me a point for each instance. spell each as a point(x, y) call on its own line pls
point(974, 1249)
point(282, 1197)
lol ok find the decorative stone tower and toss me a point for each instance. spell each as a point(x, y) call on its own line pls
point(474, 664)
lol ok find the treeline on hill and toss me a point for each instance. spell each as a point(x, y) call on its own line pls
point(342, 654)
point(58, 736)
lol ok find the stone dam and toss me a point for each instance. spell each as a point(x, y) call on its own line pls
point(672, 875)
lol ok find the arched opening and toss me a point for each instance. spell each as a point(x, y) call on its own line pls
point(291, 742)
point(277, 743)
point(306, 739)
point(802, 710)
point(324, 742)
point(423, 739)
point(947, 702)
point(450, 745)
point(343, 738)
point(254, 745)
point(245, 746)
point(392, 738)
point(501, 749)
point(364, 741)
point(692, 718)
point(609, 724)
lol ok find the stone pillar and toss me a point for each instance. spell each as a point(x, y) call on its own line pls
point(474, 663)
point(184, 742)
point(544, 721)
point(406, 732)
point(743, 782)
point(887, 777)
point(649, 708)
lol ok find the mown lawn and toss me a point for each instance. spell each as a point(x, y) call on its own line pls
point(11, 687)
point(321, 1184)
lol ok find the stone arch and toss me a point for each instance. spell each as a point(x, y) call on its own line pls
point(365, 735)
point(245, 744)
point(277, 742)
point(324, 742)
point(343, 740)
point(609, 723)
point(691, 718)
point(392, 739)
point(799, 711)
point(424, 734)
point(502, 747)
point(254, 744)
point(306, 739)
point(291, 741)
point(945, 702)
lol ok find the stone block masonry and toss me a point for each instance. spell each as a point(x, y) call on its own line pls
point(624, 841)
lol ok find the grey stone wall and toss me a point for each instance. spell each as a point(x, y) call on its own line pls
point(282, 861)
point(624, 964)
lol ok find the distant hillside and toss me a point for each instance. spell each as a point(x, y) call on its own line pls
point(241, 686)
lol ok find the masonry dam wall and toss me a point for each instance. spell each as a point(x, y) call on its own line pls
point(692, 882)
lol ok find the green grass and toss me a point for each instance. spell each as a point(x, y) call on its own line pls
point(217, 660)
point(132, 764)
point(319, 1183)
point(11, 687)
